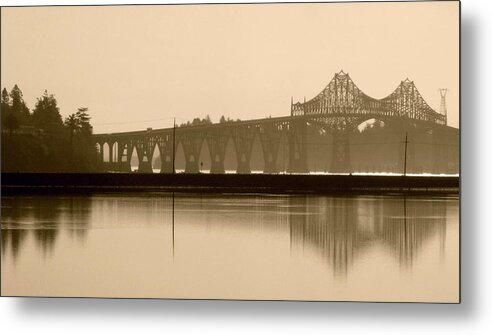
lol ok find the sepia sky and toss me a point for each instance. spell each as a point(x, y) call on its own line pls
point(139, 66)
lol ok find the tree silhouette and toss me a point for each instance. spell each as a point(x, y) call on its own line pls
point(80, 131)
point(78, 123)
point(46, 114)
point(5, 104)
point(5, 99)
point(11, 123)
point(18, 106)
point(53, 145)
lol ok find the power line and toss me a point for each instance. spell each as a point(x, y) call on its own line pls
point(141, 121)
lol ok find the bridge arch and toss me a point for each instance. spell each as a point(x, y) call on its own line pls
point(115, 152)
point(191, 142)
point(134, 158)
point(257, 159)
point(180, 159)
point(156, 159)
point(106, 153)
point(230, 156)
point(125, 152)
point(282, 163)
point(205, 158)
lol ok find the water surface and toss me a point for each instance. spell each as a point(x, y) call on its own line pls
point(160, 245)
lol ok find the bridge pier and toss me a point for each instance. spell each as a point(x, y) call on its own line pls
point(125, 167)
point(145, 167)
point(243, 139)
point(270, 166)
point(217, 165)
point(439, 153)
point(217, 142)
point(191, 164)
point(297, 137)
point(243, 166)
point(411, 153)
point(124, 157)
point(110, 160)
point(270, 138)
point(144, 156)
point(100, 153)
point(166, 163)
point(340, 162)
point(270, 152)
point(192, 143)
point(165, 144)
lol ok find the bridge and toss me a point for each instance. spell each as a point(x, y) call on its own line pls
point(320, 128)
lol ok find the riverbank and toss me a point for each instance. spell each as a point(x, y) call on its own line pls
point(223, 183)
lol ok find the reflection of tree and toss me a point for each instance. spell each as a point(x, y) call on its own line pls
point(46, 238)
point(13, 232)
point(44, 216)
point(340, 229)
point(12, 238)
point(45, 213)
point(78, 210)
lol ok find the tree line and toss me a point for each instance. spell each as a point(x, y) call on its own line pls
point(206, 121)
point(40, 140)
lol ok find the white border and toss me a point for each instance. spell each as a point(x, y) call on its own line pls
point(473, 316)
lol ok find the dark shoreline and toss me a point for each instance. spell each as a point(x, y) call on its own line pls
point(42, 183)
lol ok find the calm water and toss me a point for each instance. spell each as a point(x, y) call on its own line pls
point(231, 246)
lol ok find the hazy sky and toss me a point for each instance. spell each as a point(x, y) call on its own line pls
point(140, 66)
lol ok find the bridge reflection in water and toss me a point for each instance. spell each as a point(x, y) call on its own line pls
point(341, 229)
point(284, 238)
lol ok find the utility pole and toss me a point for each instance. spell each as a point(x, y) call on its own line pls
point(174, 147)
point(405, 163)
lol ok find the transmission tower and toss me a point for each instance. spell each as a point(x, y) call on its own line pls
point(443, 110)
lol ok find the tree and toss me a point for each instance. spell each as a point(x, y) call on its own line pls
point(222, 119)
point(46, 114)
point(18, 106)
point(196, 121)
point(5, 97)
point(70, 149)
point(84, 121)
point(79, 123)
point(5, 108)
point(11, 123)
